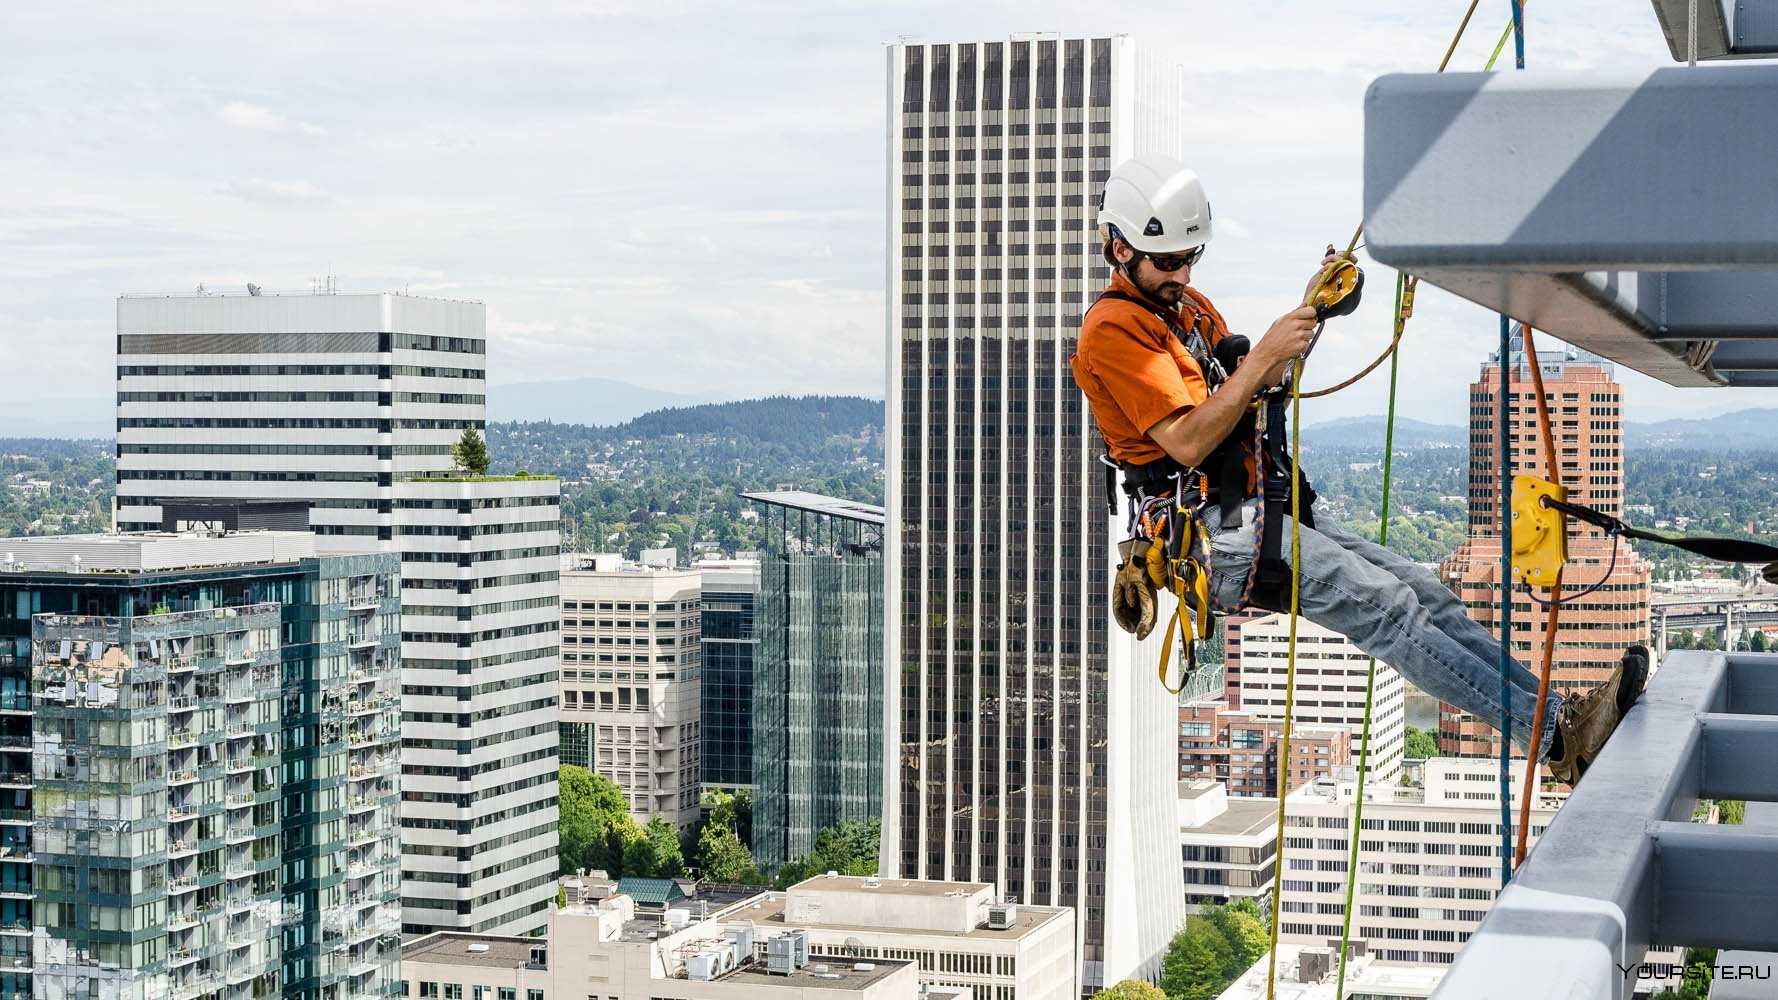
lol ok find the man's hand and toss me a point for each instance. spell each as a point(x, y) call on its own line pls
point(1327, 257)
point(1286, 341)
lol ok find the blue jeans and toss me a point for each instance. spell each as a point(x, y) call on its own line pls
point(1392, 609)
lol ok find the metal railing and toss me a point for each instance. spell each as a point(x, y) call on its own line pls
point(1621, 869)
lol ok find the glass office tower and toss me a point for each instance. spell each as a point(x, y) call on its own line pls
point(729, 606)
point(818, 671)
point(213, 745)
point(1029, 750)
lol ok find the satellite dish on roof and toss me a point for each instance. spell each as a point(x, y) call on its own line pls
point(252, 289)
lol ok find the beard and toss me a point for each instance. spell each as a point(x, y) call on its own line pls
point(1166, 291)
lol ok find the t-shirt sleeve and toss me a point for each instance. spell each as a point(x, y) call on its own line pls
point(1144, 380)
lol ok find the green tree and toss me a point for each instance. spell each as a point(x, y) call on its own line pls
point(1757, 642)
point(595, 824)
point(1685, 639)
point(1734, 811)
point(1131, 989)
point(656, 854)
point(732, 811)
point(1196, 962)
point(1246, 934)
point(1421, 744)
point(723, 858)
point(470, 453)
point(850, 849)
point(1708, 640)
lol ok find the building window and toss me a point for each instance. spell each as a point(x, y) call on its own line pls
point(453, 991)
point(428, 989)
point(533, 995)
point(509, 993)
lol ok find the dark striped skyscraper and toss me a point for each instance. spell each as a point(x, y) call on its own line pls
point(1029, 745)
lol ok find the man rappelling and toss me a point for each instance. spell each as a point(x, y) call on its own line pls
point(1192, 418)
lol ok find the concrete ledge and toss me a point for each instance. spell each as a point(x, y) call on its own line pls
point(1630, 215)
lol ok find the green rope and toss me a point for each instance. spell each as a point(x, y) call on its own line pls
point(1370, 681)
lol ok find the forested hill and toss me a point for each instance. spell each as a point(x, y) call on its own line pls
point(671, 477)
point(774, 437)
point(788, 420)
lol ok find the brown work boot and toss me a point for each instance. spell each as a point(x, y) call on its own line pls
point(1586, 721)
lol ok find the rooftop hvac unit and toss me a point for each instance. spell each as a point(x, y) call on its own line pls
point(1312, 964)
point(1002, 916)
point(780, 956)
point(702, 967)
point(678, 919)
point(799, 945)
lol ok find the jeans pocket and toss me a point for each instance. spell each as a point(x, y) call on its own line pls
point(1231, 559)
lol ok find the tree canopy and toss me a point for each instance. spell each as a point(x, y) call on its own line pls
point(1131, 989)
point(1212, 950)
point(850, 849)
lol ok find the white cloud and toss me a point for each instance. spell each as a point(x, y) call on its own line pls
point(695, 174)
point(241, 114)
point(275, 192)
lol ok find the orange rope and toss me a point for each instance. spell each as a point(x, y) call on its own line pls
point(1553, 472)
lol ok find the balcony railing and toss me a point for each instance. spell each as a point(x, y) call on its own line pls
point(1621, 869)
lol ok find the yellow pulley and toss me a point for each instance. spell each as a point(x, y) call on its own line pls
point(1540, 533)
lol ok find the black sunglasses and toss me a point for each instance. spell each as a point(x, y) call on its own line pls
point(1168, 263)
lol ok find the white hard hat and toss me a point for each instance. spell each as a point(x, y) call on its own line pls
point(1157, 205)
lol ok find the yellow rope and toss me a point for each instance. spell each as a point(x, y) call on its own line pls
point(1296, 571)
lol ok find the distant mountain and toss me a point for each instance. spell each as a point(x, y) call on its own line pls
point(598, 402)
point(771, 440)
point(1367, 432)
point(774, 418)
point(76, 417)
point(1742, 430)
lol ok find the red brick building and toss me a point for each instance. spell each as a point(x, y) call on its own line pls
point(1241, 751)
point(1586, 417)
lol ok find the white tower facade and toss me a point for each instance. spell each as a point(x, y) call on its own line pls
point(1331, 676)
point(350, 403)
point(1029, 745)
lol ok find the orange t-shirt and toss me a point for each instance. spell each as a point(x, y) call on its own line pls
point(1135, 373)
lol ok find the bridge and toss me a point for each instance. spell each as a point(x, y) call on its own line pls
point(1725, 615)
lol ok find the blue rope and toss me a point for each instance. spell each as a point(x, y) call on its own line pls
point(1506, 597)
point(1518, 34)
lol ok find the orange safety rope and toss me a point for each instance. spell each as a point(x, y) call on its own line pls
point(1552, 472)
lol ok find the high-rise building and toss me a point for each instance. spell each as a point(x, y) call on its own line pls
point(1331, 683)
point(1428, 859)
point(631, 685)
point(202, 741)
point(1586, 418)
point(1029, 745)
point(831, 937)
point(350, 403)
point(731, 640)
point(1242, 751)
point(818, 672)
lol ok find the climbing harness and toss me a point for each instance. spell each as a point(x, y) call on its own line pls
point(1168, 543)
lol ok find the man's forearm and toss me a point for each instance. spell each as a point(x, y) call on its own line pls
point(1190, 437)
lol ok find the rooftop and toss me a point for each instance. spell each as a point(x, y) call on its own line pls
point(1365, 976)
point(767, 911)
point(889, 886)
point(816, 503)
point(148, 551)
point(830, 974)
point(1244, 817)
point(487, 951)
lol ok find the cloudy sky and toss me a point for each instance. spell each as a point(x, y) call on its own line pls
point(682, 195)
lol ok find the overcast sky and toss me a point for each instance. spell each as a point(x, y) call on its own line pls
point(681, 195)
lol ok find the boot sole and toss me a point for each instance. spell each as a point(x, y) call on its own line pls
point(1635, 676)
